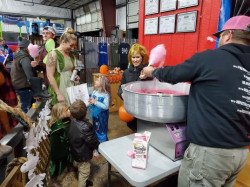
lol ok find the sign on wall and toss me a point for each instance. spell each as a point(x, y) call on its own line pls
point(151, 26)
point(151, 7)
point(167, 24)
point(186, 22)
point(167, 5)
point(187, 3)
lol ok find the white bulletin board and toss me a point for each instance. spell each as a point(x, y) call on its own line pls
point(186, 22)
point(151, 26)
point(167, 24)
point(151, 7)
point(167, 5)
point(187, 3)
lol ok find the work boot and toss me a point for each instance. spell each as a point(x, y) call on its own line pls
point(37, 87)
point(89, 183)
point(5, 151)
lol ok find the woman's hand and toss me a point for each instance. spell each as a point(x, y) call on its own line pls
point(77, 80)
point(34, 63)
point(146, 72)
point(60, 97)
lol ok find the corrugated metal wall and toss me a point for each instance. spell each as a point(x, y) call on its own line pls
point(88, 17)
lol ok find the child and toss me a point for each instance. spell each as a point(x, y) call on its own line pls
point(138, 58)
point(59, 140)
point(99, 107)
point(83, 141)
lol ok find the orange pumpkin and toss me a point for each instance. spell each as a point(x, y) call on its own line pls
point(104, 69)
point(119, 77)
point(124, 115)
point(109, 79)
point(114, 78)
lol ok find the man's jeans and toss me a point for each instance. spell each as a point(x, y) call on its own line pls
point(26, 98)
point(211, 167)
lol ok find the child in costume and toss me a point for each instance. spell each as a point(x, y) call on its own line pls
point(59, 139)
point(99, 107)
point(83, 141)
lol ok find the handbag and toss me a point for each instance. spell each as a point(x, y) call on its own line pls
point(78, 92)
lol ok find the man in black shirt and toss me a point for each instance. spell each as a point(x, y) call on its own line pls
point(218, 116)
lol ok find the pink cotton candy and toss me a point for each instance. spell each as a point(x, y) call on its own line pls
point(157, 56)
point(209, 38)
point(160, 91)
point(33, 50)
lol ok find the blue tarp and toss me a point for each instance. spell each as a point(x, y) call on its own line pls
point(225, 13)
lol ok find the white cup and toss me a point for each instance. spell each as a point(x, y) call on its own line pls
point(73, 76)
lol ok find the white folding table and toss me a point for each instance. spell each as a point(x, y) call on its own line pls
point(158, 167)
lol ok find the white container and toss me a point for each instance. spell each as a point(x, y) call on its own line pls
point(73, 76)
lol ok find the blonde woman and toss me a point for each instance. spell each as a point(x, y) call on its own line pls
point(138, 59)
point(60, 65)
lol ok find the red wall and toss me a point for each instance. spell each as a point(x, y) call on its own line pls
point(181, 46)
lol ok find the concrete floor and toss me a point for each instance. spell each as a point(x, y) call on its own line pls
point(99, 173)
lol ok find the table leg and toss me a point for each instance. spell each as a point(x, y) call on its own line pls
point(109, 175)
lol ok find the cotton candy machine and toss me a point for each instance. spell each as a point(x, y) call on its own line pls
point(161, 109)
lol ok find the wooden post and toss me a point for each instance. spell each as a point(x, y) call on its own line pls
point(108, 9)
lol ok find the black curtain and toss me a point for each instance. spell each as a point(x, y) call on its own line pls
point(240, 7)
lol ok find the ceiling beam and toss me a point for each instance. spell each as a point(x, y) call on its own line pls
point(63, 2)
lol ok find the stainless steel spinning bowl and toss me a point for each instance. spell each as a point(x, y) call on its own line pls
point(158, 107)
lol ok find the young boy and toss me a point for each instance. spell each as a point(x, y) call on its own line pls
point(82, 140)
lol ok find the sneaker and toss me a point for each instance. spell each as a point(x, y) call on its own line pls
point(5, 151)
point(89, 183)
point(96, 153)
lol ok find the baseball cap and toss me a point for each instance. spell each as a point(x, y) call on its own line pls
point(23, 42)
point(235, 23)
point(50, 29)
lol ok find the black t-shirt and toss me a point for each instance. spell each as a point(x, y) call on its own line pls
point(123, 51)
point(114, 56)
